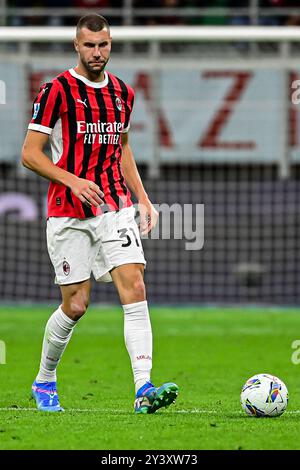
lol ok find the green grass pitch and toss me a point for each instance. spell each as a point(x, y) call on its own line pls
point(208, 352)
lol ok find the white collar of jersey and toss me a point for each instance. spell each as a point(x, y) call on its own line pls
point(88, 82)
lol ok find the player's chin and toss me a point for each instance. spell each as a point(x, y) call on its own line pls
point(96, 67)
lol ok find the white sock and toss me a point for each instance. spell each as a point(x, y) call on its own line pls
point(138, 340)
point(58, 333)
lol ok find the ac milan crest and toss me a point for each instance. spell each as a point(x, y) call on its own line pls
point(118, 103)
point(66, 268)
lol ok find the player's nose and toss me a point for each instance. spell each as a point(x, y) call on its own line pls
point(96, 52)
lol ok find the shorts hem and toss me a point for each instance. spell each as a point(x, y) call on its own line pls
point(129, 262)
point(72, 282)
point(108, 270)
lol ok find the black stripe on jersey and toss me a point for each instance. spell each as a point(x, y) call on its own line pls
point(72, 132)
point(87, 148)
point(43, 102)
point(55, 112)
point(118, 119)
point(125, 99)
point(103, 149)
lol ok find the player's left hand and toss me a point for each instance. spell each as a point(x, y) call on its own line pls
point(148, 216)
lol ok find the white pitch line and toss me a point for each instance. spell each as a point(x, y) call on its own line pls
point(106, 411)
point(97, 410)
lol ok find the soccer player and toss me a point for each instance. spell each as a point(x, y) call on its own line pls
point(85, 113)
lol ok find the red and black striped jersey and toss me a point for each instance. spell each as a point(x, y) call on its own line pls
point(85, 121)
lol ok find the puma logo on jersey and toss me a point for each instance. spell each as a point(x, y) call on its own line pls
point(83, 102)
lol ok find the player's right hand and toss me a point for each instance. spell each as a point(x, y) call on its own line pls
point(88, 192)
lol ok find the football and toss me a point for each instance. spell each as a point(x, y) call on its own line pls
point(264, 395)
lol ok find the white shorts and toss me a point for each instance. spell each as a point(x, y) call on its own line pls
point(79, 247)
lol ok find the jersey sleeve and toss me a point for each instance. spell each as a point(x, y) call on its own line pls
point(46, 109)
point(129, 107)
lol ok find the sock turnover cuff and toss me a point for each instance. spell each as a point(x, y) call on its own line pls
point(128, 308)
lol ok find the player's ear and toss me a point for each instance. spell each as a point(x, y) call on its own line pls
point(76, 44)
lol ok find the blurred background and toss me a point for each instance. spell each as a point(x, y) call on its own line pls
point(213, 124)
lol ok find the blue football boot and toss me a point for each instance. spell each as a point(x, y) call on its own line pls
point(45, 395)
point(149, 399)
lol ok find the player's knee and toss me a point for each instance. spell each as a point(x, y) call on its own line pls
point(78, 306)
point(138, 290)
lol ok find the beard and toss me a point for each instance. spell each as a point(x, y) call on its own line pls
point(90, 68)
